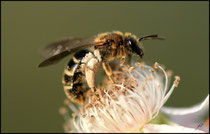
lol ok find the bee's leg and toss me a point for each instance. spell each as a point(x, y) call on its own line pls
point(129, 59)
point(123, 55)
point(122, 61)
point(108, 71)
point(91, 69)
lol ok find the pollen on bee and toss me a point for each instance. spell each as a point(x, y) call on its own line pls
point(177, 80)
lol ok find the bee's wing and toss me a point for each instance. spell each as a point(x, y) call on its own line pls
point(61, 48)
point(64, 44)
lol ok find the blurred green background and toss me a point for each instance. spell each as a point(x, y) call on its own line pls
point(32, 96)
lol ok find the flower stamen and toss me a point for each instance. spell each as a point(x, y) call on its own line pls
point(133, 101)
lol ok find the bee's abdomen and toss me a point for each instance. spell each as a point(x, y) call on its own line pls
point(80, 54)
point(73, 78)
point(77, 77)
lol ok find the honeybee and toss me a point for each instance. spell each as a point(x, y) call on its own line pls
point(85, 63)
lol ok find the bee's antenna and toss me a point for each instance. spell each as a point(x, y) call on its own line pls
point(151, 37)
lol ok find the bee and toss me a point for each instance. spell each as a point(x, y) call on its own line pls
point(85, 63)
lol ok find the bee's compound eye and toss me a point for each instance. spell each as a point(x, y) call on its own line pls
point(133, 46)
point(129, 42)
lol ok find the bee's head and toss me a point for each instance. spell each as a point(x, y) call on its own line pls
point(133, 46)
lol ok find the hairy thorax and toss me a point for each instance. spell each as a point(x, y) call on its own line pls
point(113, 43)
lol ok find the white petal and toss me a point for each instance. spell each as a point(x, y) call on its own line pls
point(183, 111)
point(152, 128)
point(189, 117)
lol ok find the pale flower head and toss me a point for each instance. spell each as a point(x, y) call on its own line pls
point(127, 106)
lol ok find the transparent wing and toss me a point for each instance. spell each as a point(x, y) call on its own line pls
point(64, 44)
point(60, 49)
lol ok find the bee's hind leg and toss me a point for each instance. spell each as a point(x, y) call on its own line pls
point(108, 71)
point(91, 69)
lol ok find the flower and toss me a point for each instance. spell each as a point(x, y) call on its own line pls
point(193, 116)
point(128, 105)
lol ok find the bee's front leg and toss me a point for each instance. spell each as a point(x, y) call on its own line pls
point(108, 71)
point(123, 55)
point(129, 59)
point(122, 61)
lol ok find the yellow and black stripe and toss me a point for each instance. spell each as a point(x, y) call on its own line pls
point(73, 78)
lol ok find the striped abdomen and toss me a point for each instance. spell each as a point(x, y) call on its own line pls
point(74, 77)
